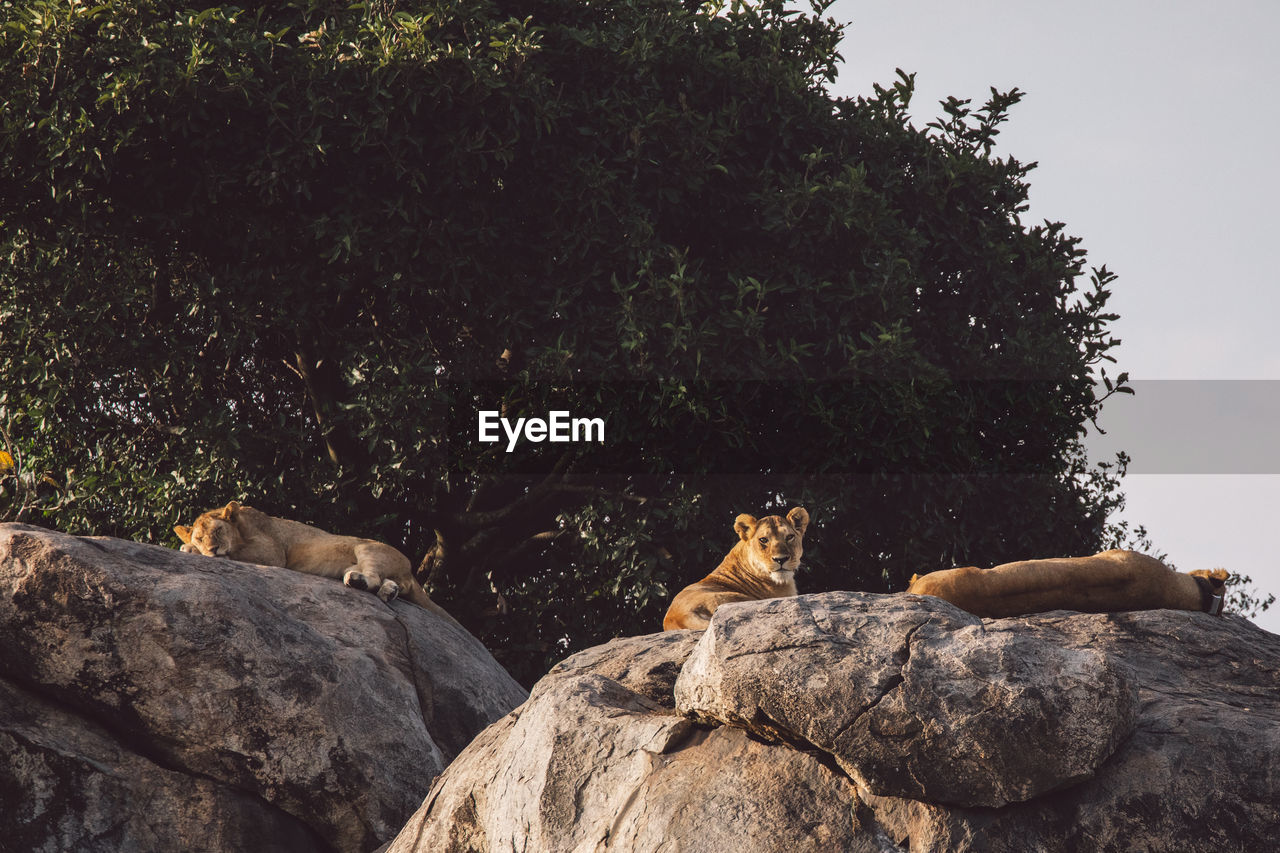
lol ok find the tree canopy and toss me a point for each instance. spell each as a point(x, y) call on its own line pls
point(287, 253)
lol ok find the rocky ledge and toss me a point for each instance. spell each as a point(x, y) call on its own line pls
point(154, 700)
point(850, 722)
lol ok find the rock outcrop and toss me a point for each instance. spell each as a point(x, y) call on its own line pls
point(914, 698)
point(154, 700)
point(873, 723)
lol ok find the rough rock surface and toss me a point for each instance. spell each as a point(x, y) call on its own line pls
point(154, 700)
point(590, 763)
point(861, 722)
point(913, 697)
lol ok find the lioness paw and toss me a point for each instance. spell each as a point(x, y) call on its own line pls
point(355, 580)
point(389, 591)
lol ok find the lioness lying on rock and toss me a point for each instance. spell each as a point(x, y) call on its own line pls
point(761, 565)
point(1104, 583)
point(764, 561)
point(245, 534)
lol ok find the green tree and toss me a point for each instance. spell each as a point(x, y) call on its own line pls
point(286, 254)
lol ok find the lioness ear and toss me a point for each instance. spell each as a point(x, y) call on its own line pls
point(799, 519)
point(184, 533)
point(1217, 577)
point(744, 524)
point(229, 511)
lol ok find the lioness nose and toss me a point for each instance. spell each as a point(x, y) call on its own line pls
point(779, 560)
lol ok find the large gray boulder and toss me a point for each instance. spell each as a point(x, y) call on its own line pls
point(864, 722)
point(154, 700)
point(912, 697)
point(592, 762)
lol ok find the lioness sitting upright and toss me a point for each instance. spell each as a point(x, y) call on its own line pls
point(761, 565)
point(245, 534)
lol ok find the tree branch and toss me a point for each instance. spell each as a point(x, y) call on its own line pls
point(323, 386)
point(533, 543)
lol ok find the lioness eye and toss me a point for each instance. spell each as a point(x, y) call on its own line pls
point(764, 540)
point(791, 537)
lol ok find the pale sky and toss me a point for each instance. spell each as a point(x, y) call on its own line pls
point(1155, 129)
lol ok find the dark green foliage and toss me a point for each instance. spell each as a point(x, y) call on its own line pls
point(285, 254)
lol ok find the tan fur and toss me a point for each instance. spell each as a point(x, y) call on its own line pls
point(1108, 582)
point(761, 565)
point(245, 534)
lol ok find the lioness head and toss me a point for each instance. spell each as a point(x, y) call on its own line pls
point(774, 544)
point(214, 534)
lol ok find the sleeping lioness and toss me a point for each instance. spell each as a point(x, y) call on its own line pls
point(761, 565)
point(245, 534)
point(1104, 583)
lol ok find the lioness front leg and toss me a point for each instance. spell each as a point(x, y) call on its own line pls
point(693, 607)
